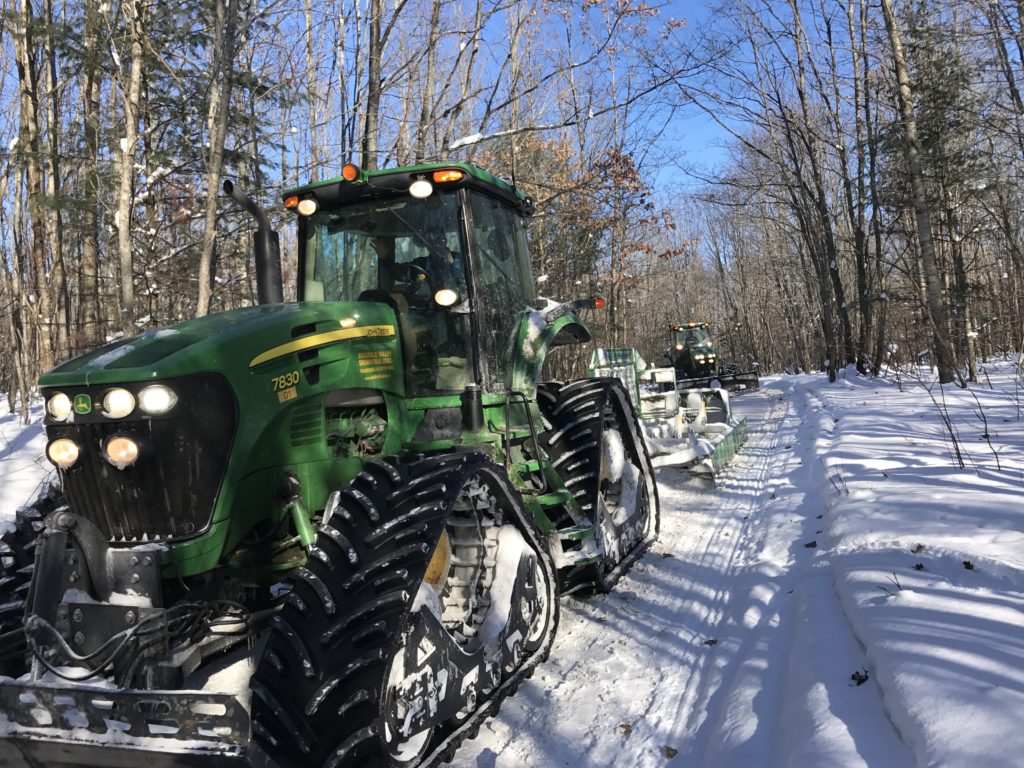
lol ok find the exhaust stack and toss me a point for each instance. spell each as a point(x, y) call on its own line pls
point(265, 246)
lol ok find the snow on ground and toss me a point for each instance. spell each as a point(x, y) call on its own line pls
point(847, 596)
point(23, 465)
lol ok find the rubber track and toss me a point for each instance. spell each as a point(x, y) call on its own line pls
point(574, 411)
point(17, 560)
point(318, 688)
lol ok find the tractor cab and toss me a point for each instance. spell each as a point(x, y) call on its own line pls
point(691, 351)
point(443, 246)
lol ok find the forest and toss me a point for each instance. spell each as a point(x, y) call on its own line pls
point(868, 211)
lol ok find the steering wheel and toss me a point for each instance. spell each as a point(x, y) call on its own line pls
point(413, 282)
point(410, 274)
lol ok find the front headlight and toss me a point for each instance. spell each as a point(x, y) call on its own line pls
point(118, 403)
point(63, 452)
point(121, 451)
point(59, 406)
point(156, 399)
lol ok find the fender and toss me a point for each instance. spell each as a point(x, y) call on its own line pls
point(540, 330)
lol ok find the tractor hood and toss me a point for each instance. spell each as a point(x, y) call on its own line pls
point(254, 339)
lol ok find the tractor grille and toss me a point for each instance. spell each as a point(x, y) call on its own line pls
point(170, 492)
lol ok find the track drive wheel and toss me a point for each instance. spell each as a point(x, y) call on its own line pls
point(428, 596)
point(596, 446)
point(17, 559)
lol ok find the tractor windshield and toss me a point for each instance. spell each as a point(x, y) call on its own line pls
point(409, 254)
point(691, 337)
point(412, 248)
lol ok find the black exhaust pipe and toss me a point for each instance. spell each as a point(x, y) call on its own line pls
point(266, 249)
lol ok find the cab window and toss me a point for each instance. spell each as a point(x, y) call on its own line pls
point(506, 283)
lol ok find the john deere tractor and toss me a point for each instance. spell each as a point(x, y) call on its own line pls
point(698, 365)
point(691, 351)
point(323, 533)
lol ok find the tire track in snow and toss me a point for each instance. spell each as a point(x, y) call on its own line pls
point(787, 699)
point(731, 719)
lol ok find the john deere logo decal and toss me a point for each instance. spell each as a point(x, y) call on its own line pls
point(83, 404)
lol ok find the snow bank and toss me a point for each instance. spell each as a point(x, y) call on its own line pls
point(23, 464)
point(927, 558)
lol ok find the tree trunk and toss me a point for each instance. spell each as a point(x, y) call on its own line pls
point(222, 76)
point(92, 84)
point(313, 95)
point(55, 219)
point(125, 164)
point(374, 85)
point(31, 145)
point(427, 107)
point(922, 210)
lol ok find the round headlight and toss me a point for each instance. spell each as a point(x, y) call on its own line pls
point(679, 347)
point(446, 297)
point(63, 452)
point(59, 406)
point(121, 451)
point(421, 188)
point(118, 403)
point(307, 206)
point(157, 399)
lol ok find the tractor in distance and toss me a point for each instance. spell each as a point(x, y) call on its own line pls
point(697, 364)
point(324, 533)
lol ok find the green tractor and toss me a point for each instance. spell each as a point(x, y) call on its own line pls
point(691, 351)
point(323, 533)
point(697, 364)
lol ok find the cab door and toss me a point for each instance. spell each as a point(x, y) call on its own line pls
point(504, 283)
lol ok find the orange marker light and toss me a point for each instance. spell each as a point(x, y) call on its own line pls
point(598, 302)
point(292, 201)
point(449, 174)
point(350, 172)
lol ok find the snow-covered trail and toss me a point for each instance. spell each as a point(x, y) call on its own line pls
point(690, 657)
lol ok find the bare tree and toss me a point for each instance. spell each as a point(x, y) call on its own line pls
point(130, 88)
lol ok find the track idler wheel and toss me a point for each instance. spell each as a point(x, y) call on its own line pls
point(428, 596)
point(596, 446)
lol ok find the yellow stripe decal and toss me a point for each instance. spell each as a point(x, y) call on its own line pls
point(320, 339)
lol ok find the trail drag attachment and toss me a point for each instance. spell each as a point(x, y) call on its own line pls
point(692, 428)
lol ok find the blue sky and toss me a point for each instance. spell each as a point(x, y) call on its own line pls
point(692, 138)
